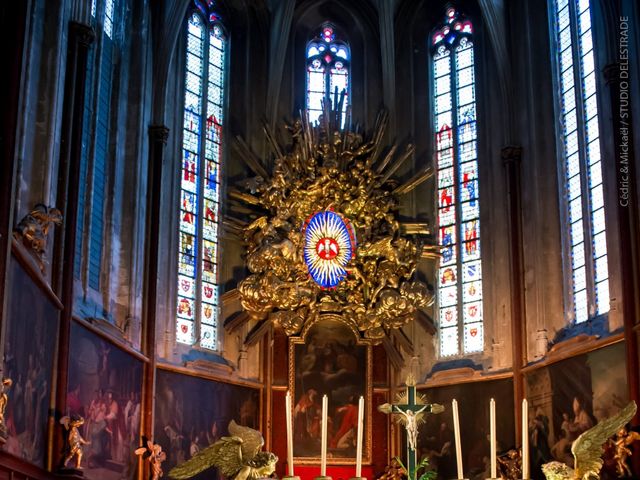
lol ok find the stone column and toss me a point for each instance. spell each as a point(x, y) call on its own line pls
point(158, 135)
point(628, 213)
point(511, 156)
point(80, 39)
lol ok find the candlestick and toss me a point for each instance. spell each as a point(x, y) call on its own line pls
point(525, 439)
point(456, 431)
point(323, 451)
point(289, 434)
point(359, 444)
point(492, 427)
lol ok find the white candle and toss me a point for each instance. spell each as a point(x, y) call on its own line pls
point(456, 432)
point(359, 444)
point(323, 446)
point(492, 426)
point(525, 439)
point(289, 434)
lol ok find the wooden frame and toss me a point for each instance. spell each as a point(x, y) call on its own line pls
point(296, 342)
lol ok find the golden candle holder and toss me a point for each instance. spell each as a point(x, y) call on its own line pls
point(323, 477)
point(287, 477)
point(358, 478)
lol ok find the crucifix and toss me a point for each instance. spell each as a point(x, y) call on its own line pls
point(411, 408)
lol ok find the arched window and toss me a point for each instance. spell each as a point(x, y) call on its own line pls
point(582, 196)
point(454, 120)
point(94, 164)
point(203, 120)
point(327, 70)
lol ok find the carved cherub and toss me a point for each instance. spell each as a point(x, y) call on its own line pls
point(34, 228)
point(4, 399)
point(622, 451)
point(237, 457)
point(153, 453)
point(74, 439)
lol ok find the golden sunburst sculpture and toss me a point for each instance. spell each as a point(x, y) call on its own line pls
point(324, 235)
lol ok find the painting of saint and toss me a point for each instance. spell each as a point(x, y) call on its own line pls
point(105, 387)
point(28, 360)
point(329, 362)
point(192, 413)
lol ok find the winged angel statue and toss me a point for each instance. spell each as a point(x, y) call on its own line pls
point(237, 456)
point(587, 449)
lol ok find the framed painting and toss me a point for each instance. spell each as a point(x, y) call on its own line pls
point(330, 358)
point(105, 387)
point(435, 435)
point(29, 350)
point(192, 413)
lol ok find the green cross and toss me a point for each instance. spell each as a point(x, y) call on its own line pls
point(411, 409)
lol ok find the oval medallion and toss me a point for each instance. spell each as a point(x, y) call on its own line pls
point(329, 244)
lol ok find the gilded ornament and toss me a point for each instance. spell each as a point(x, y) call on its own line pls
point(587, 449)
point(326, 237)
point(237, 457)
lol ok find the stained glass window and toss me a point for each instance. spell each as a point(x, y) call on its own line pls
point(202, 135)
point(95, 153)
point(454, 118)
point(328, 63)
point(581, 163)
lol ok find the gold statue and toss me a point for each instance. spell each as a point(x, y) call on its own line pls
point(393, 471)
point(510, 464)
point(238, 457)
point(74, 439)
point(587, 449)
point(4, 400)
point(330, 168)
point(153, 453)
point(33, 229)
point(621, 450)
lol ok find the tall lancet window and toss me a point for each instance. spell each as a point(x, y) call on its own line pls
point(582, 189)
point(454, 120)
point(98, 113)
point(202, 135)
point(327, 70)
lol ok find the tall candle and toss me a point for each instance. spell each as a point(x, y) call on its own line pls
point(323, 446)
point(456, 432)
point(289, 434)
point(492, 427)
point(359, 444)
point(525, 439)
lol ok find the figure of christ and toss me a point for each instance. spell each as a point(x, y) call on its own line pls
point(411, 424)
point(348, 424)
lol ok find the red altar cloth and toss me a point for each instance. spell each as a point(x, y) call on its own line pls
point(336, 472)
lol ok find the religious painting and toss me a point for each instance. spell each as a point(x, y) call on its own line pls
point(192, 413)
point(105, 387)
point(29, 350)
point(435, 435)
point(328, 359)
point(569, 397)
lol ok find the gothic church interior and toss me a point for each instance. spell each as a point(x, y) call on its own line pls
point(217, 213)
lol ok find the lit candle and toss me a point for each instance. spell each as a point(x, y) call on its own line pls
point(359, 444)
point(456, 432)
point(289, 434)
point(323, 446)
point(525, 439)
point(492, 426)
